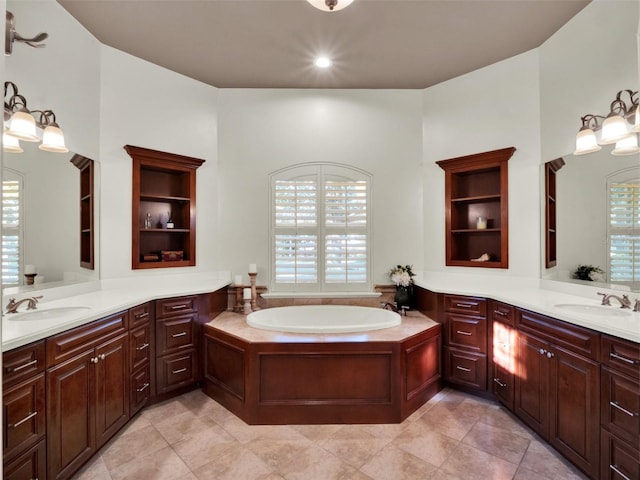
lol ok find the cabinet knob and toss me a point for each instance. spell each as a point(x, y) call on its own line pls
point(622, 409)
point(624, 359)
point(25, 419)
point(550, 355)
point(502, 314)
point(463, 368)
point(94, 360)
point(20, 367)
point(141, 315)
point(542, 351)
point(462, 332)
point(102, 356)
point(617, 470)
point(178, 335)
point(142, 347)
point(497, 380)
point(142, 388)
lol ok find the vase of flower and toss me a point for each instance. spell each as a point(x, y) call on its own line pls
point(402, 277)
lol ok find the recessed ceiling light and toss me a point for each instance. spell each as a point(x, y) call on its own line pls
point(322, 62)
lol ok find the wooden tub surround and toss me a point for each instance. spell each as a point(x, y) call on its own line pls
point(267, 377)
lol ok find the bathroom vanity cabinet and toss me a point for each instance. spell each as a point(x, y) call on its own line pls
point(476, 209)
point(87, 391)
point(164, 209)
point(502, 350)
point(465, 344)
point(142, 356)
point(23, 405)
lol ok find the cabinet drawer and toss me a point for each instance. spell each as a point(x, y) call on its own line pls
point(69, 344)
point(502, 312)
point(621, 406)
point(467, 332)
point(170, 307)
point(22, 362)
point(618, 461)
point(175, 334)
point(23, 419)
point(141, 315)
point(580, 340)
point(139, 347)
point(623, 355)
point(502, 385)
point(465, 368)
point(140, 388)
point(467, 305)
point(177, 370)
point(30, 465)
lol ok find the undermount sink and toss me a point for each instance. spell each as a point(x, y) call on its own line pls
point(594, 310)
point(44, 313)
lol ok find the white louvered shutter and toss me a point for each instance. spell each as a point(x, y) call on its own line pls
point(11, 232)
point(624, 232)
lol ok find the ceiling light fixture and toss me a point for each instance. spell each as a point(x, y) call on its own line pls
point(330, 5)
point(23, 124)
point(322, 62)
point(621, 126)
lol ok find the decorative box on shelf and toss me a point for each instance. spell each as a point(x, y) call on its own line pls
point(172, 255)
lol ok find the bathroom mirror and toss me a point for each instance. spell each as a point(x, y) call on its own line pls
point(47, 186)
point(582, 194)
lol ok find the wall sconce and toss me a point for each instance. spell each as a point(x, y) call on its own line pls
point(330, 5)
point(11, 36)
point(621, 126)
point(23, 123)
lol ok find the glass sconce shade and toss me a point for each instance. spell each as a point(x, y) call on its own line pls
point(324, 5)
point(627, 146)
point(636, 120)
point(614, 128)
point(53, 140)
point(586, 142)
point(23, 126)
point(11, 144)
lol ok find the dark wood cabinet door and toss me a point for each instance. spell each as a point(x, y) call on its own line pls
point(30, 465)
point(574, 427)
point(503, 362)
point(70, 415)
point(112, 388)
point(532, 383)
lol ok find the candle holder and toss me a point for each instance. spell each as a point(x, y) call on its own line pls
point(238, 306)
point(254, 292)
point(30, 278)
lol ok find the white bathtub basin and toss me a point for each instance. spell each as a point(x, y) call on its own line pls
point(323, 319)
point(594, 310)
point(45, 313)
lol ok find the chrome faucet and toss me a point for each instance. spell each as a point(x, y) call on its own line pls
point(624, 301)
point(393, 306)
point(12, 306)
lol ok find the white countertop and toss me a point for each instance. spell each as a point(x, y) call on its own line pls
point(542, 296)
point(110, 297)
point(120, 294)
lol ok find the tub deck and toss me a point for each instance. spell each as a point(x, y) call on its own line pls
point(267, 377)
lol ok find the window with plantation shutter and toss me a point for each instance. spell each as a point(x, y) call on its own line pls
point(624, 231)
point(320, 229)
point(11, 230)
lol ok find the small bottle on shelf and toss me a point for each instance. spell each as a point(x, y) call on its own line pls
point(147, 221)
point(170, 223)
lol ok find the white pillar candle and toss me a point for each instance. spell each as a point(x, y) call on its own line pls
point(253, 268)
point(482, 223)
point(246, 294)
point(29, 269)
point(238, 280)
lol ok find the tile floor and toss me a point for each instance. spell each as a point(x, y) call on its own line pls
point(453, 436)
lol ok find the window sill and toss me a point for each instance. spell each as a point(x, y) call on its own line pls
point(320, 295)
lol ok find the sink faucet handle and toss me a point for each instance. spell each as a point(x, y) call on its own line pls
point(605, 298)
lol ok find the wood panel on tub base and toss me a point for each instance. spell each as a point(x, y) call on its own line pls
point(315, 383)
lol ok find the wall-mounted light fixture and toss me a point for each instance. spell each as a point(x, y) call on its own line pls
point(10, 36)
point(330, 5)
point(23, 124)
point(621, 126)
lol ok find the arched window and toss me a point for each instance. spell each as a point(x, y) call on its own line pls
point(320, 229)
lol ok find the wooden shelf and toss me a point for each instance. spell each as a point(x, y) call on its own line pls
point(164, 186)
point(87, 253)
point(477, 186)
point(550, 170)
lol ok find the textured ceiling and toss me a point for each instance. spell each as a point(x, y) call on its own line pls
point(373, 43)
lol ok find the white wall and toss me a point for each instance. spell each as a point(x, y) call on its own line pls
point(147, 106)
point(491, 108)
point(261, 131)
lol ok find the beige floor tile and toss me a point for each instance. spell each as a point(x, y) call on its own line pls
point(245, 433)
point(500, 417)
point(287, 457)
point(425, 444)
point(451, 424)
point(547, 462)
point(183, 426)
point(164, 410)
point(205, 445)
point(95, 470)
point(162, 464)
point(200, 404)
point(137, 423)
point(317, 432)
point(354, 451)
point(526, 474)
point(502, 443)
point(473, 464)
point(136, 444)
point(236, 463)
point(394, 463)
